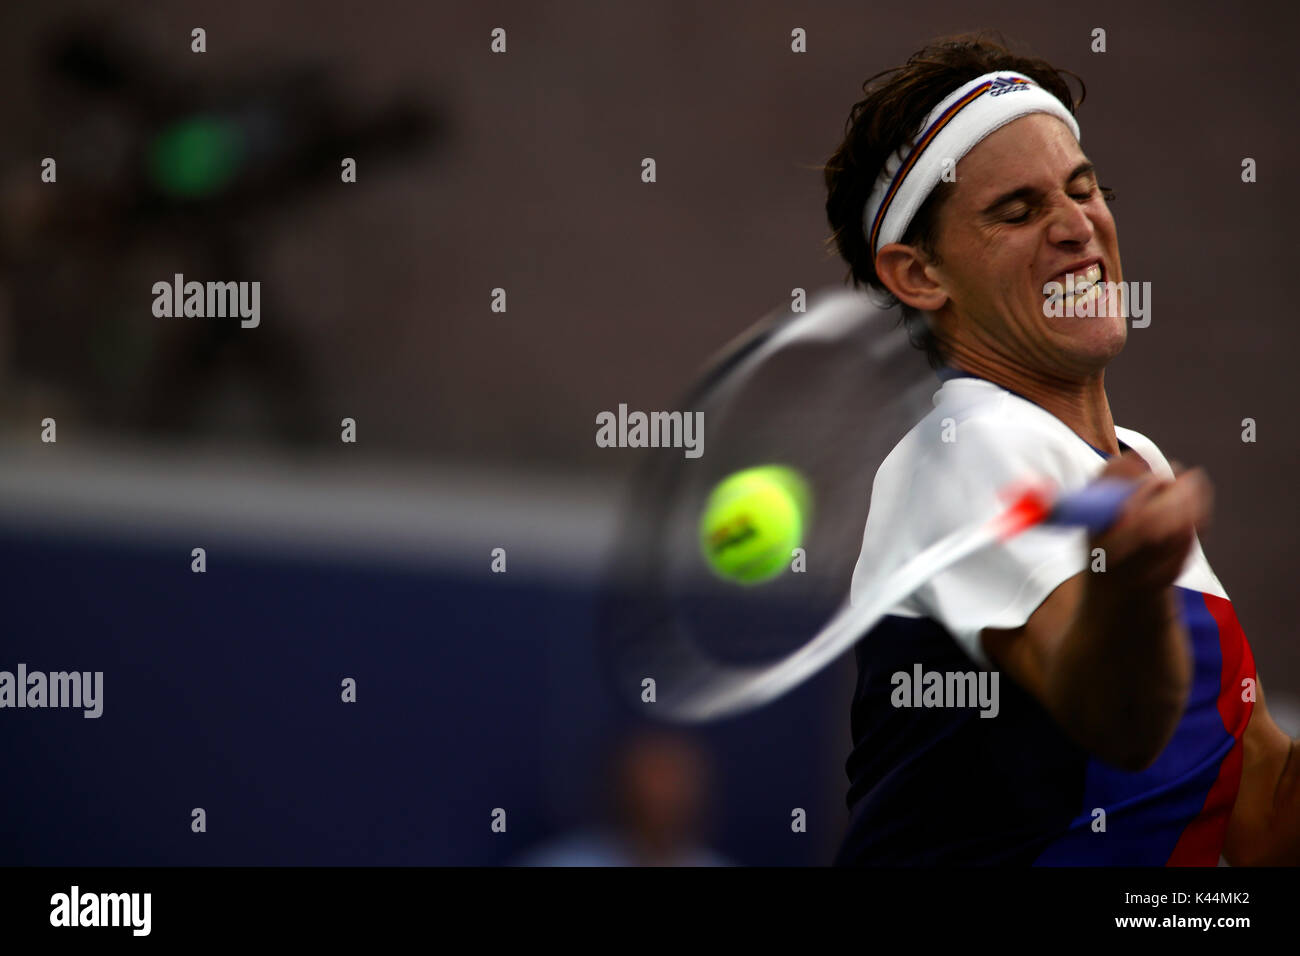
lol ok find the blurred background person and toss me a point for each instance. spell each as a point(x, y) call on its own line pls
point(657, 792)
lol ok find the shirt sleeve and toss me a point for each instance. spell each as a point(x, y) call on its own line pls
point(965, 480)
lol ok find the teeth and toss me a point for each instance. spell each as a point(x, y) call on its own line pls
point(1084, 283)
point(1090, 290)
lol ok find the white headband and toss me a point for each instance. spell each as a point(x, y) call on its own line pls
point(952, 130)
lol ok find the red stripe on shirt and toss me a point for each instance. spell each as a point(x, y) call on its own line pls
point(1202, 841)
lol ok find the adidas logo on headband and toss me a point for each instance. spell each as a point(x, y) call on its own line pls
point(1004, 84)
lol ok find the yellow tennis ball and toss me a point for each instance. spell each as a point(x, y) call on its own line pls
point(753, 521)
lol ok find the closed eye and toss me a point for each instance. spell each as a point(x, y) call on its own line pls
point(1024, 216)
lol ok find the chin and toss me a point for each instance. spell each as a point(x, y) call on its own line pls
point(1090, 341)
point(1103, 345)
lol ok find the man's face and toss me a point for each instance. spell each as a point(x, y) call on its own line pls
point(1024, 211)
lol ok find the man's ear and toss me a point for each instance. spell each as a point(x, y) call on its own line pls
point(903, 271)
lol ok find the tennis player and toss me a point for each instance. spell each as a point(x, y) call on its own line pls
point(1130, 727)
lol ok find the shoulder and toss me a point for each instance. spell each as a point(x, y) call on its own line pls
point(962, 464)
point(977, 441)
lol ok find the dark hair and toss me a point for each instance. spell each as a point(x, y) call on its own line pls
point(887, 119)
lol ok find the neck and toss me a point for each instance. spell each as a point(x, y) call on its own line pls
point(1079, 403)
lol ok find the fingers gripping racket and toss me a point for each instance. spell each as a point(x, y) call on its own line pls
point(825, 394)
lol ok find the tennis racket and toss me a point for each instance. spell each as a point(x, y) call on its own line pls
point(827, 392)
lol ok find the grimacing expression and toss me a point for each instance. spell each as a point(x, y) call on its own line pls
point(1027, 209)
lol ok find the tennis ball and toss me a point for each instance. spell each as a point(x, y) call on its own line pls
point(752, 522)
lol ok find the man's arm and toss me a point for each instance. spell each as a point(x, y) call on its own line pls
point(1106, 653)
point(1264, 829)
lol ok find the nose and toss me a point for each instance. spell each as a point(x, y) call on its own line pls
point(1069, 222)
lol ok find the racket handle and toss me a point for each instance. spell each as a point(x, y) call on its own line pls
point(1094, 507)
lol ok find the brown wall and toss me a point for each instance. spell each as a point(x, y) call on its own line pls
point(617, 290)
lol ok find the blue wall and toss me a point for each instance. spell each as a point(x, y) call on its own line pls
point(221, 691)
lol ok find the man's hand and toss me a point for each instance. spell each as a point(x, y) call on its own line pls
point(1106, 653)
point(1148, 545)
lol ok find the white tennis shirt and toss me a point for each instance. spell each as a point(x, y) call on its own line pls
point(947, 473)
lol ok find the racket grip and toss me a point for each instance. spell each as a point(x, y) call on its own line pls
point(1094, 507)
